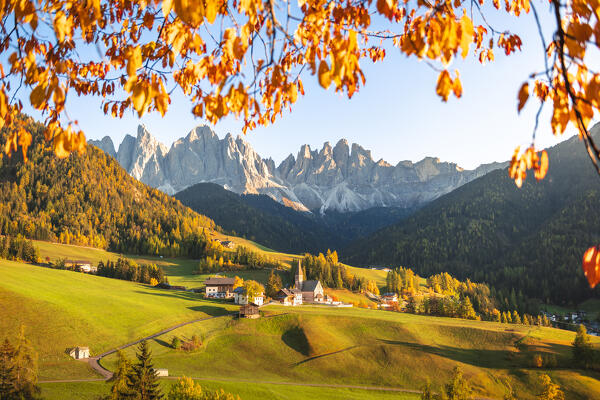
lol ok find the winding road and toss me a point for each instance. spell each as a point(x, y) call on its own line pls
point(94, 363)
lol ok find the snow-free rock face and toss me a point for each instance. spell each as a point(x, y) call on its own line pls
point(341, 178)
point(106, 145)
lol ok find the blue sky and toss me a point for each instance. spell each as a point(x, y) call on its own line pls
point(397, 114)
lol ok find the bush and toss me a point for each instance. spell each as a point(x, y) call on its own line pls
point(191, 345)
point(176, 343)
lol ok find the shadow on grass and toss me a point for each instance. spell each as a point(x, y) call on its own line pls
point(296, 339)
point(323, 355)
point(477, 357)
point(178, 294)
point(163, 343)
point(213, 311)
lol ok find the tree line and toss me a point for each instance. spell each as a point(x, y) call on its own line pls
point(327, 269)
point(18, 248)
point(218, 259)
point(128, 270)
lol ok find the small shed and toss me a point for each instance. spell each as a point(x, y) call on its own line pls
point(79, 353)
point(249, 310)
point(161, 372)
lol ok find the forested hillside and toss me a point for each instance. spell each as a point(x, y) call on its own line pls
point(88, 199)
point(262, 219)
point(531, 239)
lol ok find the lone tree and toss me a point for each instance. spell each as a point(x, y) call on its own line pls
point(253, 289)
point(143, 380)
point(121, 380)
point(458, 388)
point(18, 369)
point(274, 284)
point(551, 391)
point(583, 351)
point(7, 371)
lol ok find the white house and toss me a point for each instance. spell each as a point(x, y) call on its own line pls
point(79, 353)
point(221, 288)
point(239, 297)
point(161, 372)
point(289, 297)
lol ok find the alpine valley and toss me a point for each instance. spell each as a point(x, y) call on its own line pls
point(311, 202)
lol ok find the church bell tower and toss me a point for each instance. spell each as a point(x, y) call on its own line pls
point(299, 278)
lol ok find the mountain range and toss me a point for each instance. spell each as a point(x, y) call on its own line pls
point(342, 178)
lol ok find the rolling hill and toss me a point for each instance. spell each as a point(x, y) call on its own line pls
point(292, 346)
point(529, 239)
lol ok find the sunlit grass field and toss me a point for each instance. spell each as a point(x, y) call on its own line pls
point(64, 309)
point(307, 344)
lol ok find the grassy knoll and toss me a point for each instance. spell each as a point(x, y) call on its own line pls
point(375, 348)
point(246, 390)
point(63, 309)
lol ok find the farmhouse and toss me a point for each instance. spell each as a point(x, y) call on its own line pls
point(83, 266)
point(312, 291)
point(239, 297)
point(289, 297)
point(161, 372)
point(389, 298)
point(228, 244)
point(221, 288)
point(249, 311)
point(79, 353)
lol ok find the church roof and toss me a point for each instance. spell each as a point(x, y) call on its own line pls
point(309, 286)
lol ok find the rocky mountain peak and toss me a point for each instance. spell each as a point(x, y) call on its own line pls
point(342, 178)
point(106, 145)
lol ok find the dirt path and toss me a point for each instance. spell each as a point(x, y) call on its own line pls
point(94, 362)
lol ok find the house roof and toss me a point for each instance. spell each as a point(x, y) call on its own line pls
point(309, 286)
point(239, 290)
point(212, 281)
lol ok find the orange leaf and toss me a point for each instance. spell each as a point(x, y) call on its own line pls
point(523, 96)
point(324, 75)
point(591, 265)
point(542, 167)
point(444, 85)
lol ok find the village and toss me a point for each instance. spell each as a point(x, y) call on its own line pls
point(302, 292)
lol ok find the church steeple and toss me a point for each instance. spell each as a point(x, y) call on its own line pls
point(299, 278)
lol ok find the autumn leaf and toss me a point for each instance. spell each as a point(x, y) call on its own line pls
point(591, 265)
point(542, 166)
point(444, 85)
point(523, 96)
point(134, 60)
point(324, 74)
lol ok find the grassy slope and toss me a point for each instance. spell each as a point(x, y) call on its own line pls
point(62, 309)
point(365, 347)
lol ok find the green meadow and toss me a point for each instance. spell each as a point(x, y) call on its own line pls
point(63, 309)
point(274, 356)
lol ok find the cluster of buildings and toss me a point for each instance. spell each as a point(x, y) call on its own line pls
point(303, 291)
